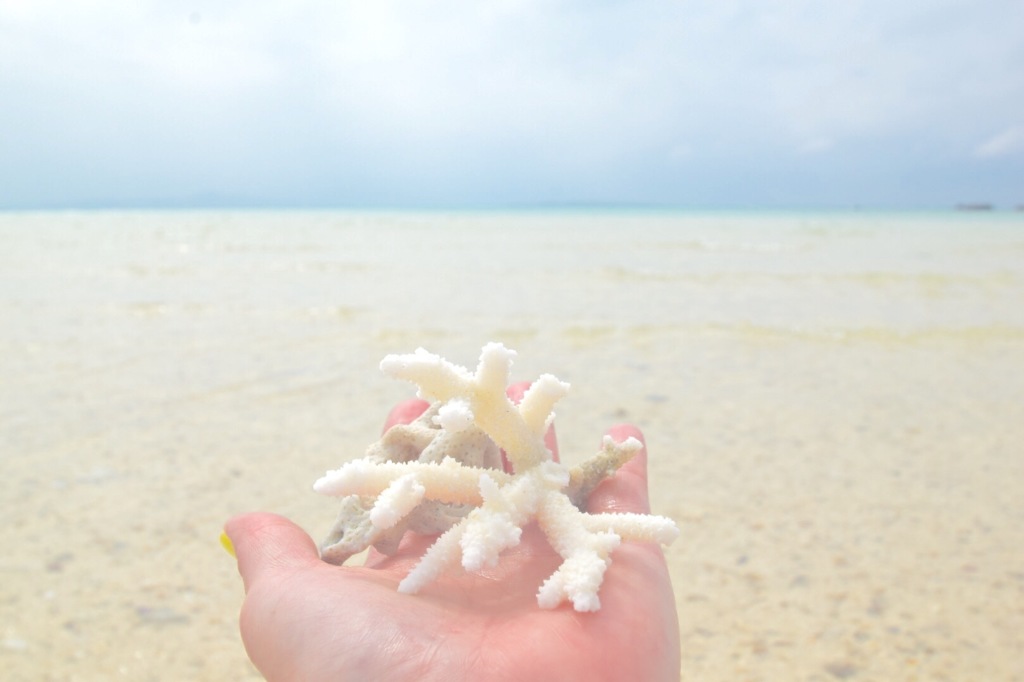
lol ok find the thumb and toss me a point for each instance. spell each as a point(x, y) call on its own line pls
point(266, 544)
point(626, 491)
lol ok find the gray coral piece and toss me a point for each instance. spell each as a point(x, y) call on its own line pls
point(425, 441)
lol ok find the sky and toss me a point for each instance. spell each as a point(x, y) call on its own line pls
point(703, 104)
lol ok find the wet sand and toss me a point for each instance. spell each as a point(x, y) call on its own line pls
point(832, 405)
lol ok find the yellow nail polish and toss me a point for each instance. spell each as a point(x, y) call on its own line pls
point(225, 542)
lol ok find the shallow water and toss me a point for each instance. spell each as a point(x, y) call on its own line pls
point(831, 402)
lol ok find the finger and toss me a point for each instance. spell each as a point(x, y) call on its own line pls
point(515, 393)
point(405, 412)
point(626, 491)
point(266, 544)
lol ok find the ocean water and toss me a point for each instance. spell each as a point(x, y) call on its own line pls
point(832, 403)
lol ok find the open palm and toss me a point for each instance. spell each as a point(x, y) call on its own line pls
point(304, 619)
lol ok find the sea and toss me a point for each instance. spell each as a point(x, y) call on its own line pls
point(832, 403)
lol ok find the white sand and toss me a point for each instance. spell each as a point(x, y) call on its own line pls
point(832, 403)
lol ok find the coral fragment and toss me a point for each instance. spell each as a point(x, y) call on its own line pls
point(442, 474)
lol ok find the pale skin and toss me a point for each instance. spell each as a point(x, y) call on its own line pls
point(303, 619)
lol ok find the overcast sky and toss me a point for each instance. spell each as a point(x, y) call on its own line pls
point(689, 103)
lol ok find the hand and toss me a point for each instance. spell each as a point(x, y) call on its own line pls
point(303, 619)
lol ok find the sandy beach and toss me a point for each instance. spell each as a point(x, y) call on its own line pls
point(832, 402)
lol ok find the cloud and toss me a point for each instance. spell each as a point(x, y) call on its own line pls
point(1007, 143)
point(346, 100)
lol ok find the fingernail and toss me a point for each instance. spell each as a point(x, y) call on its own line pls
point(225, 542)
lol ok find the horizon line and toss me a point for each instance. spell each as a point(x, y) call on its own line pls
point(484, 207)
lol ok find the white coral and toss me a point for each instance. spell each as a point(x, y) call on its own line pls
point(539, 488)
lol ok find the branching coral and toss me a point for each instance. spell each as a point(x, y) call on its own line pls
point(442, 474)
